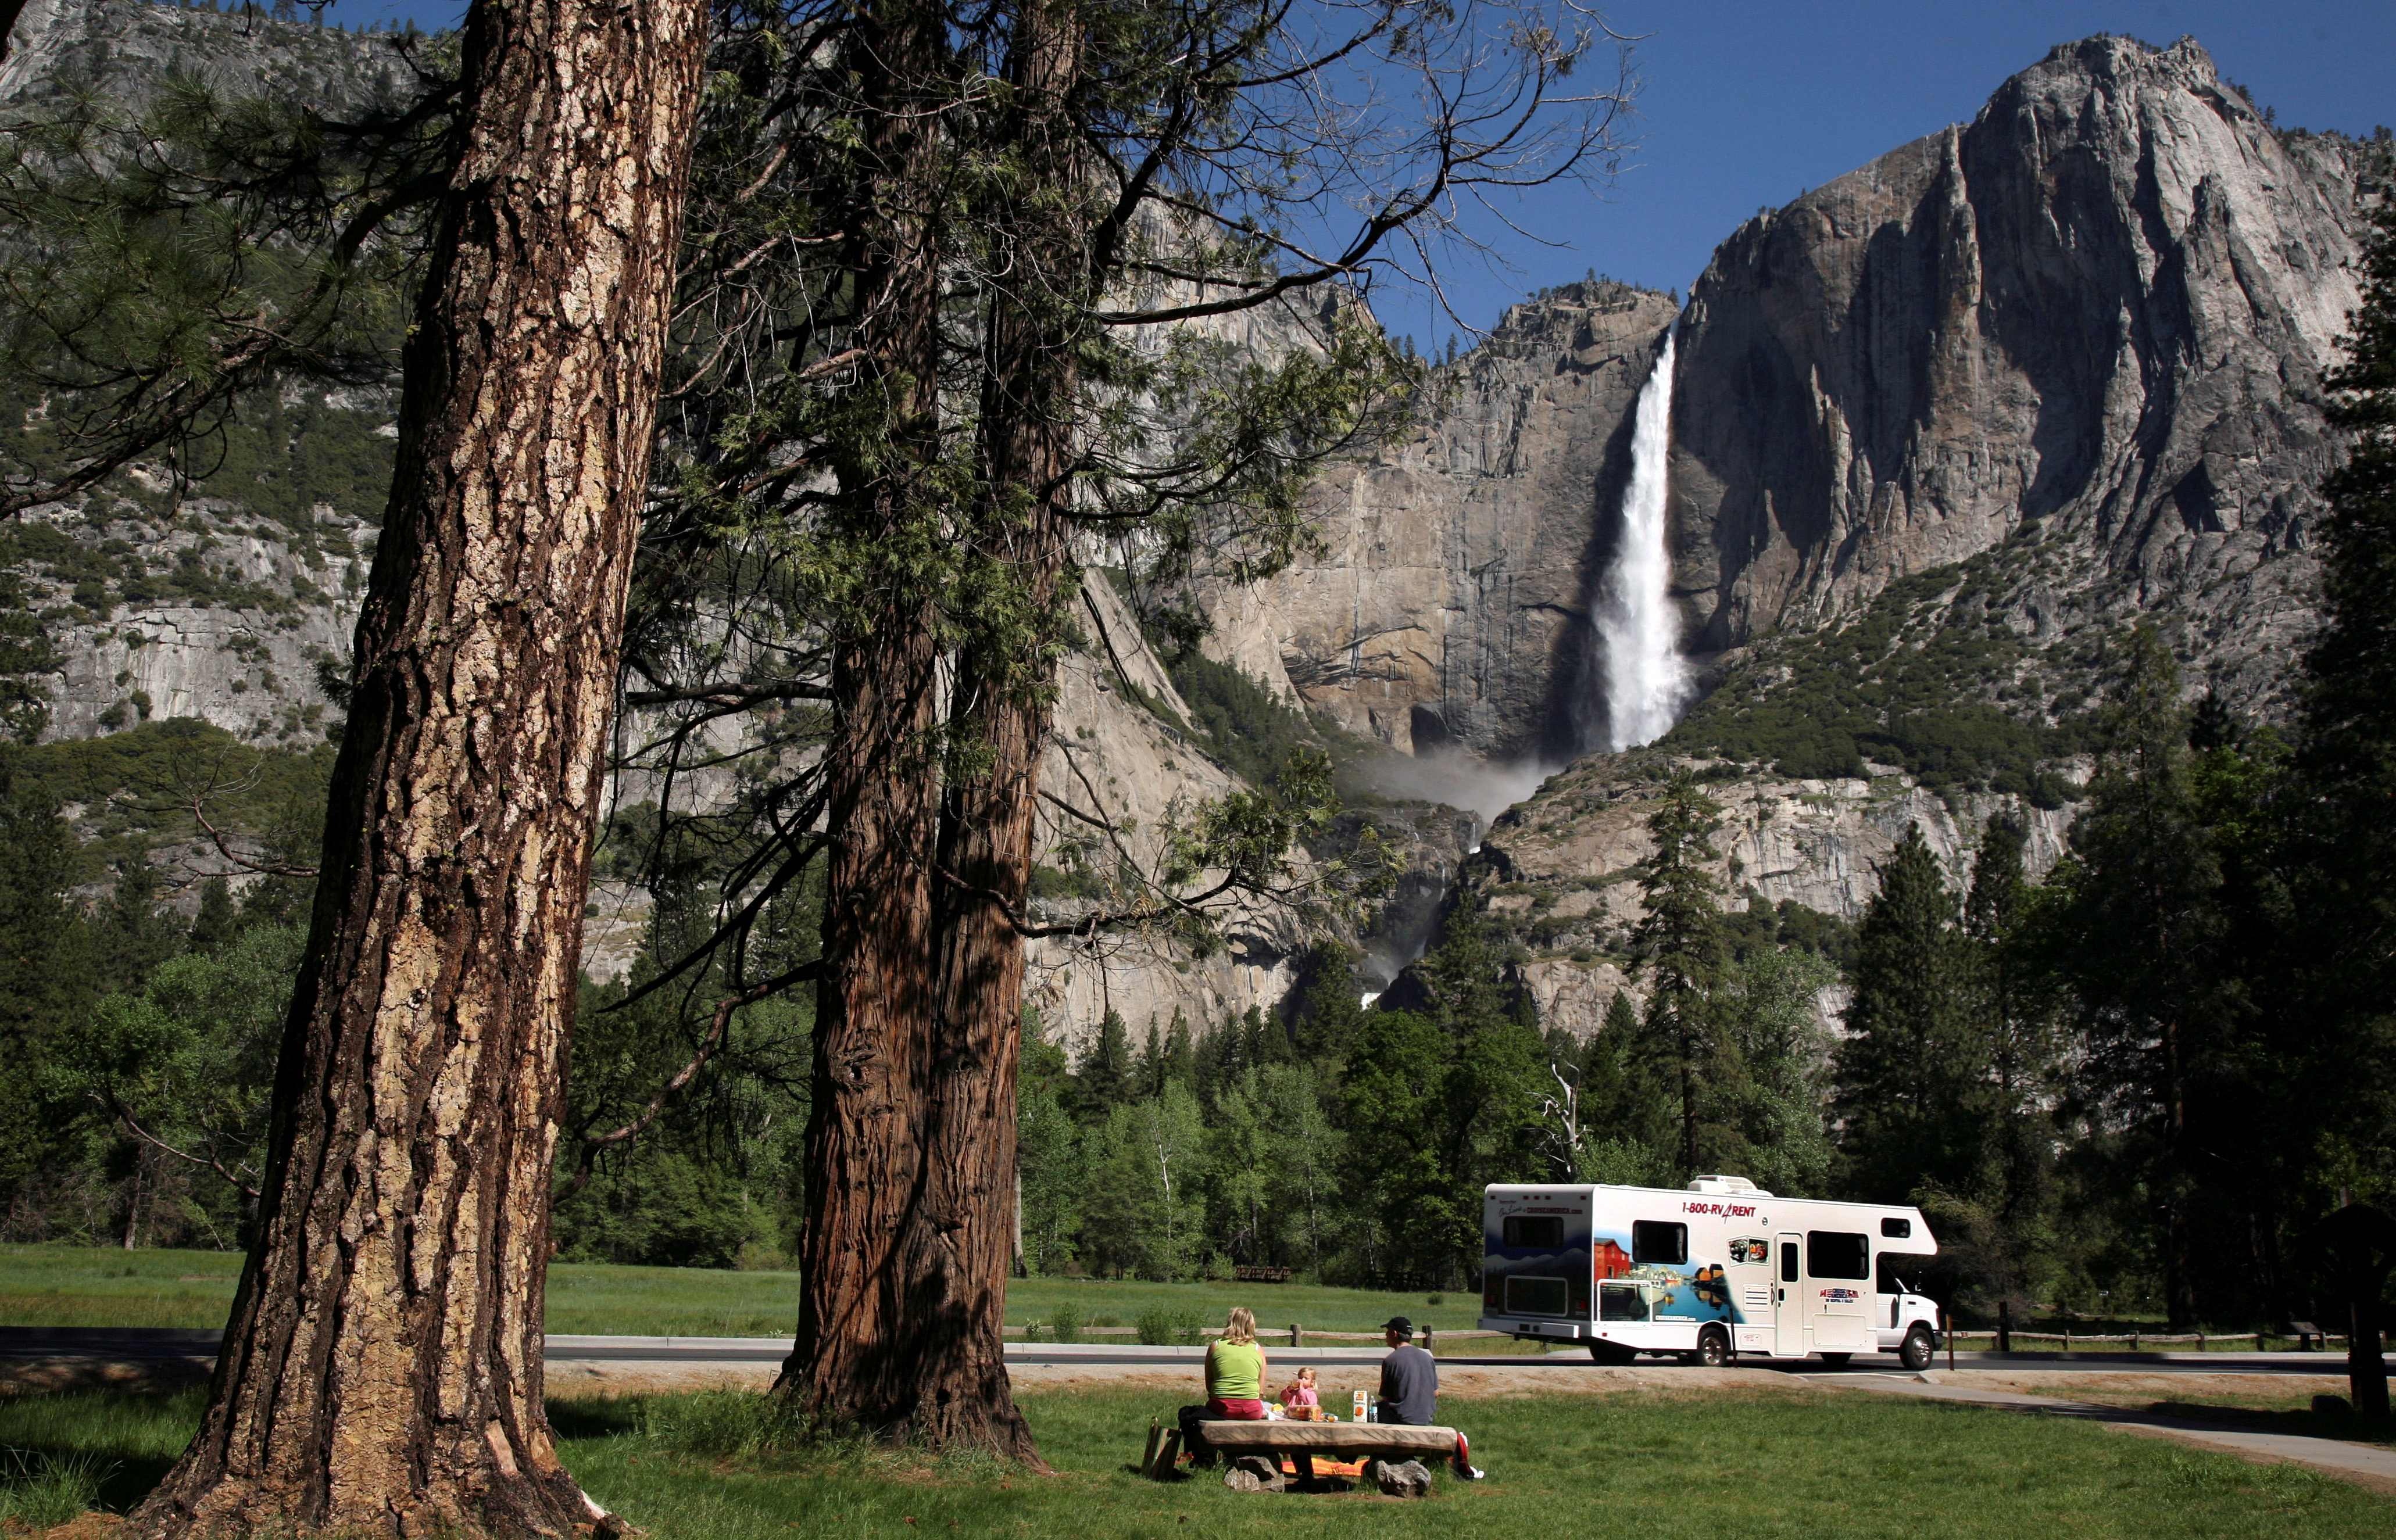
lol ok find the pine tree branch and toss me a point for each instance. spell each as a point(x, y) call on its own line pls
point(109, 1104)
point(592, 1149)
point(227, 852)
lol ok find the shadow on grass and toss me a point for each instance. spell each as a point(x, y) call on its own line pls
point(110, 1474)
point(2342, 1426)
point(593, 1418)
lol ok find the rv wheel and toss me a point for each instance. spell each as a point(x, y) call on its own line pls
point(1713, 1347)
point(1916, 1351)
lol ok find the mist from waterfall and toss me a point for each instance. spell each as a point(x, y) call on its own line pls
point(1645, 677)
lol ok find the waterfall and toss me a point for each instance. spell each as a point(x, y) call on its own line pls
point(1645, 680)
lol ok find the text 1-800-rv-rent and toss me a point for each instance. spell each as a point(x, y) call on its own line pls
point(1710, 1272)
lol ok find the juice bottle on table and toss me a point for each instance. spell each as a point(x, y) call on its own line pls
point(1360, 1405)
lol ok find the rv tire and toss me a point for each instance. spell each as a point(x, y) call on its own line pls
point(1917, 1351)
point(1713, 1347)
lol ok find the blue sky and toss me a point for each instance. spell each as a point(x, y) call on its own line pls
point(1746, 103)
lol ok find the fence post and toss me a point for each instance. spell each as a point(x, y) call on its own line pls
point(2004, 1326)
point(2200, 1339)
point(1295, 1335)
point(2133, 1340)
point(1947, 1320)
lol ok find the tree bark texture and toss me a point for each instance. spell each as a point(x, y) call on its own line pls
point(958, 1246)
point(852, 1365)
point(381, 1372)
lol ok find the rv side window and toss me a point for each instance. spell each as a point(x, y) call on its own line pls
point(1788, 1261)
point(1657, 1240)
point(1620, 1302)
point(1836, 1254)
point(1896, 1229)
point(1536, 1296)
point(1524, 1229)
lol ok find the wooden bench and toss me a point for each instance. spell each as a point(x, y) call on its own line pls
point(2306, 1333)
point(1258, 1272)
point(1344, 1441)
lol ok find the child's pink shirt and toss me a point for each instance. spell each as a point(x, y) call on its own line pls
point(1300, 1395)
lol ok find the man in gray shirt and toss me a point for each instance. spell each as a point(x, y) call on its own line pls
point(1409, 1379)
point(1410, 1389)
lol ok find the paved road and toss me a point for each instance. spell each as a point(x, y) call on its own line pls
point(134, 1346)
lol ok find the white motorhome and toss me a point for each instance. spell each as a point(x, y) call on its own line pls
point(1718, 1269)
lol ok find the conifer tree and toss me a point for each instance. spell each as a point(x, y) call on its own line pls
point(216, 919)
point(2009, 996)
point(2346, 1045)
point(133, 932)
point(1771, 1007)
point(1626, 1105)
point(1104, 1079)
point(1912, 1072)
point(1442, 1099)
point(1679, 936)
point(1328, 1006)
point(382, 1368)
point(46, 973)
point(2142, 935)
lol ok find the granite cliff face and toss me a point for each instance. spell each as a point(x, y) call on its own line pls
point(1449, 609)
point(1558, 875)
point(2101, 309)
point(2105, 304)
point(125, 49)
point(220, 600)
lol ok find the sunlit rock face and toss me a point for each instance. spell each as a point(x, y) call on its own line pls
point(2102, 309)
point(1449, 608)
point(2105, 304)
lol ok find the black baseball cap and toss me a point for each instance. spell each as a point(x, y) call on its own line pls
point(1399, 1324)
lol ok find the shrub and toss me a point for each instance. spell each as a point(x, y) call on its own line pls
point(1161, 1327)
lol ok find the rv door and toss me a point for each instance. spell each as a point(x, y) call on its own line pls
point(1788, 1303)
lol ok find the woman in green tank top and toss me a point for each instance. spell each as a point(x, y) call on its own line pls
point(1235, 1370)
point(1235, 1383)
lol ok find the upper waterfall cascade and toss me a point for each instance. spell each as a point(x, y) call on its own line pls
point(1646, 680)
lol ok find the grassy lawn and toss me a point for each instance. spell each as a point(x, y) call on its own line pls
point(103, 1286)
point(1662, 1465)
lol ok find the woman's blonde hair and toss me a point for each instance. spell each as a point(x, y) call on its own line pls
point(1241, 1326)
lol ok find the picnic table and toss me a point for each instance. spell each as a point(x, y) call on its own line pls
point(1334, 1441)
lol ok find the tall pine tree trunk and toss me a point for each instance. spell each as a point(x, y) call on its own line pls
point(381, 1372)
point(2180, 1232)
point(853, 1364)
point(957, 1247)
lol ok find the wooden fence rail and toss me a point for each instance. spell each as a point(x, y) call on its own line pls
point(2141, 1339)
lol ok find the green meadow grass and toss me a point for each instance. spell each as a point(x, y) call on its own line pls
point(103, 1286)
point(1662, 1466)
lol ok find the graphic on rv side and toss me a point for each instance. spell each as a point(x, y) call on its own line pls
point(1633, 1269)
